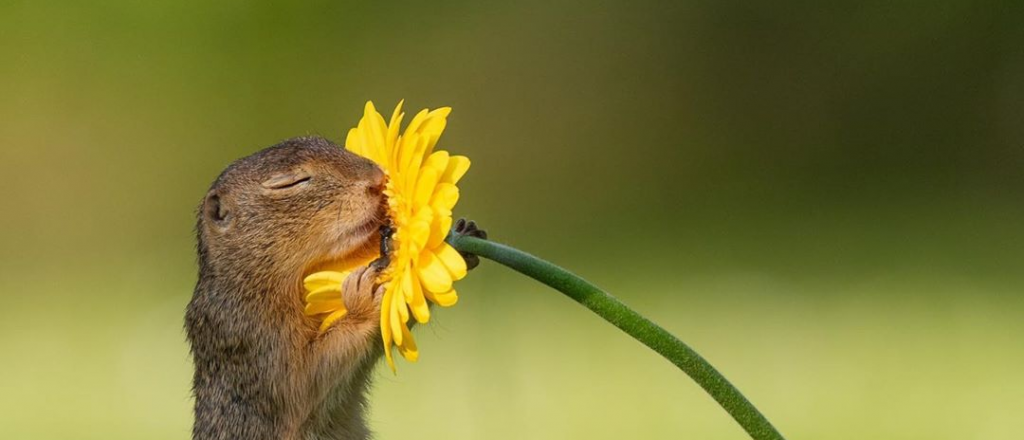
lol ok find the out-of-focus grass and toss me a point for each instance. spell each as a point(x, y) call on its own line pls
point(939, 360)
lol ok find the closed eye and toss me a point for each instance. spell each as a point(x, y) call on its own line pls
point(286, 181)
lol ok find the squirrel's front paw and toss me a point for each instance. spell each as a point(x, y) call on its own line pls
point(464, 227)
point(361, 293)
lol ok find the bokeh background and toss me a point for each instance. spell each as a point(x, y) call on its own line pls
point(826, 199)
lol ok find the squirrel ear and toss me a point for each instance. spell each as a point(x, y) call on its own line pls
point(214, 210)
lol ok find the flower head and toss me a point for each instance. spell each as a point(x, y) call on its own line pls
point(421, 192)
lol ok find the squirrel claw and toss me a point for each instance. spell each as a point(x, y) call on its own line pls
point(469, 227)
point(380, 263)
point(386, 233)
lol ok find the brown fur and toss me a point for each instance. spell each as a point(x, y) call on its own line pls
point(262, 371)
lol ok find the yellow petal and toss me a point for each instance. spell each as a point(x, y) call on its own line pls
point(419, 234)
point(353, 143)
point(336, 315)
point(438, 160)
point(404, 285)
point(396, 324)
point(419, 229)
point(326, 293)
point(452, 260)
point(413, 145)
point(433, 273)
point(445, 299)
point(316, 308)
point(436, 121)
point(425, 186)
point(389, 358)
point(417, 121)
point(405, 148)
point(367, 139)
point(375, 124)
point(408, 349)
point(385, 327)
point(457, 167)
point(446, 195)
point(323, 279)
point(439, 230)
point(394, 125)
point(426, 136)
point(403, 309)
point(416, 301)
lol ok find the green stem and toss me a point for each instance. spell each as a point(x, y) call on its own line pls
point(629, 321)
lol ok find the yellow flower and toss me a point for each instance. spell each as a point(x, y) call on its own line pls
point(421, 194)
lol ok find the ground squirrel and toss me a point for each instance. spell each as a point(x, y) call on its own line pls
point(262, 370)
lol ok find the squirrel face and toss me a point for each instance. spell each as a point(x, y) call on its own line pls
point(302, 203)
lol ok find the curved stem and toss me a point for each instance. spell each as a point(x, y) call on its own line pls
point(629, 321)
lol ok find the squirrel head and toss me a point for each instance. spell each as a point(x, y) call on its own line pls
point(283, 211)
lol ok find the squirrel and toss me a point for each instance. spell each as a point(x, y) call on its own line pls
point(262, 368)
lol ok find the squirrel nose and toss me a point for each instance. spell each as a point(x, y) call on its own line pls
point(376, 181)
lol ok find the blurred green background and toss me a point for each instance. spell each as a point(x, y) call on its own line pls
point(826, 199)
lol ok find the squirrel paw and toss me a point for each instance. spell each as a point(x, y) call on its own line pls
point(361, 294)
point(469, 227)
